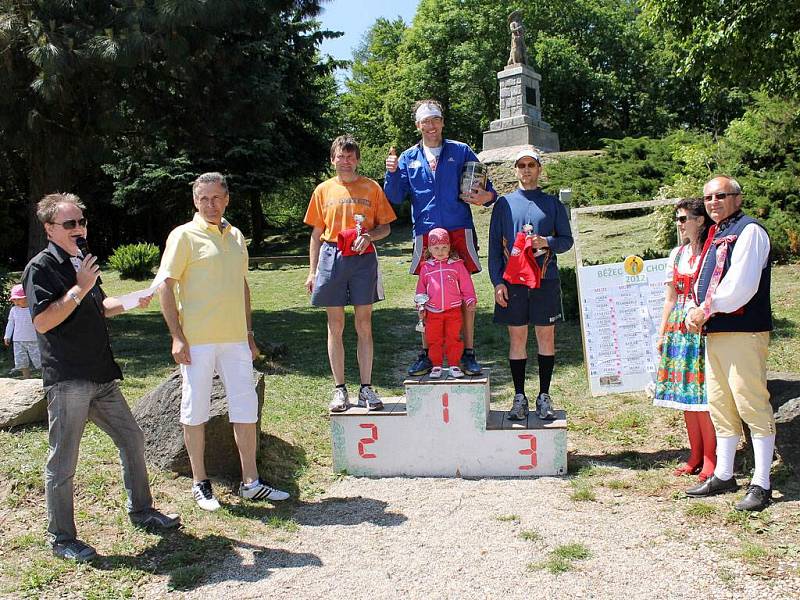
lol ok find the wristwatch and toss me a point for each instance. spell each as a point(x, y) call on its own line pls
point(75, 297)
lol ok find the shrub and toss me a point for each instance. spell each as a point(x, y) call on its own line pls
point(6, 282)
point(135, 261)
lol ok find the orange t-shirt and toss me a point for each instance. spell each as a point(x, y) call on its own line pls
point(334, 203)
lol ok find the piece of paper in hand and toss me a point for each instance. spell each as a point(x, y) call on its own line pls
point(131, 300)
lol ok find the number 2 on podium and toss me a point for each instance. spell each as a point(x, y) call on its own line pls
point(363, 442)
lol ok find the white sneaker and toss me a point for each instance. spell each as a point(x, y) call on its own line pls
point(261, 491)
point(544, 407)
point(204, 496)
point(456, 372)
point(339, 401)
point(436, 373)
point(367, 397)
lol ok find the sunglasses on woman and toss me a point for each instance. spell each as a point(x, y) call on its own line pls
point(72, 223)
point(684, 218)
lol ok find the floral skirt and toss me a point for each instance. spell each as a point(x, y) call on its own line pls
point(680, 382)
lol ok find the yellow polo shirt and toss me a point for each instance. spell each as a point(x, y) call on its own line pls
point(211, 268)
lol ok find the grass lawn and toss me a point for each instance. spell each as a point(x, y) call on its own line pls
point(618, 442)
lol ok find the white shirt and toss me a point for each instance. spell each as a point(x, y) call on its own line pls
point(432, 156)
point(20, 325)
point(740, 283)
point(685, 264)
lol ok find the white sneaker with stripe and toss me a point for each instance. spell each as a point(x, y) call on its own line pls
point(261, 491)
point(204, 496)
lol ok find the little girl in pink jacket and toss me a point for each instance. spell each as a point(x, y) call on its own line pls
point(448, 285)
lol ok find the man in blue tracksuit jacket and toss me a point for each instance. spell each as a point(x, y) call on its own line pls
point(430, 172)
point(517, 306)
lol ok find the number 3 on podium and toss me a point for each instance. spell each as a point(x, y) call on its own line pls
point(363, 442)
point(529, 451)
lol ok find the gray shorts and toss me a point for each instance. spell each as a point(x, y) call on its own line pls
point(26, 355)
point(526, 306)
point(343, 280)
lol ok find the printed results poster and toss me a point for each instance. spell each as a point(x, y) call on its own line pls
point(621, 314)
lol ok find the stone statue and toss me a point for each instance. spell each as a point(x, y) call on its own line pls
point(518, 55)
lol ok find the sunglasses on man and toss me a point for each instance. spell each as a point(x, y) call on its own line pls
point(719, 196)
point(72, 223)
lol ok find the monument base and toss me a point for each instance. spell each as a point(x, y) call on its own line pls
point(543, 139)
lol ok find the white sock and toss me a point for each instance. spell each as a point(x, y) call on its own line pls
point(726, 452)
point(763, 449)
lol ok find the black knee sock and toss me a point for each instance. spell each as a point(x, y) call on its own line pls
point(518, 373)
point(546, 364)
point(342, 386)
point(363, 385)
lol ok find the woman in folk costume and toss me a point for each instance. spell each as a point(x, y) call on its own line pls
point(680, 380)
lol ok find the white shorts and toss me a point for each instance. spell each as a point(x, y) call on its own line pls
point(26, 355)
point(234, 363)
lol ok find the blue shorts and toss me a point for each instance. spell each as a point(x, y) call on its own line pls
point(538, 306)
point(343, 280)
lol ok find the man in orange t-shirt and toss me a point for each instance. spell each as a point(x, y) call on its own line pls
point(348, 213)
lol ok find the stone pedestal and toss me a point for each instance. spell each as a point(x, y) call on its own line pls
point(520, 121)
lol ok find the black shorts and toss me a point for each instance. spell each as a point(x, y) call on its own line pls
point(526, 306)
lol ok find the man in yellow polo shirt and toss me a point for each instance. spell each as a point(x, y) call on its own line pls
point(206, 304)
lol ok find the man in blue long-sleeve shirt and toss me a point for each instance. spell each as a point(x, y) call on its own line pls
point(430, 173)
point(518, 305)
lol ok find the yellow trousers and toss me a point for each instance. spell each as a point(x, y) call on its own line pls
point(736, 383)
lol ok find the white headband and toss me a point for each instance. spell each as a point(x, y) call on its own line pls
point(427, 110)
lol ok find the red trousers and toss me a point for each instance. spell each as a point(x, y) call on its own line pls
point(443, 334)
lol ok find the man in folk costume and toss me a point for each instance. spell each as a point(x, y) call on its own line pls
point(735, 314)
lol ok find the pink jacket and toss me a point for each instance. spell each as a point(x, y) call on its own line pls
point(447, 283)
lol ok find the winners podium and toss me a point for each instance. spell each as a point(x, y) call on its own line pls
point(445, 428)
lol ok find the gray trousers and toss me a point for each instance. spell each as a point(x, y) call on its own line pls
point(69, 405)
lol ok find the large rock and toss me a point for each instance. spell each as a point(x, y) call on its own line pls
point(22, 401)
point(784, 391)
point(158, 414)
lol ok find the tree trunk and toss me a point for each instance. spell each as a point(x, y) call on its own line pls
point(50, 171)
point(257, 221)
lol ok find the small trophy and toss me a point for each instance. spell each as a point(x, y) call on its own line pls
point(420, 300)
point(474, 175)
point(359, 219)
point(528, 229)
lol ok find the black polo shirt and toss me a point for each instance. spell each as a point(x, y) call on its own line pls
point(79, 347)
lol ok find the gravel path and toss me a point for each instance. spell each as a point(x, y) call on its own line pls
point(442, 538)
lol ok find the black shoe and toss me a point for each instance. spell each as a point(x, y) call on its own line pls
point(421, 366)
point(154, 520)
point(757, 498)
point(75, 550)
point(469, 363)
point(713, 486)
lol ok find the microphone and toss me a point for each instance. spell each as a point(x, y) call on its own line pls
point(83, 246)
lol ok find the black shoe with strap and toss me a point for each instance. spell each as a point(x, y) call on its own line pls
point(713, 486)
point(756, 499)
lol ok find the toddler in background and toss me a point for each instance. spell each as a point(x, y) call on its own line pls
point(20, 330)
point(446, 281)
